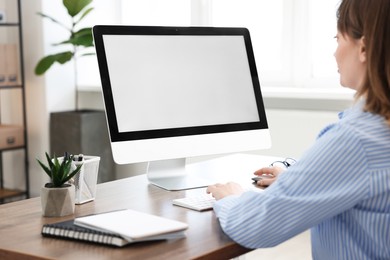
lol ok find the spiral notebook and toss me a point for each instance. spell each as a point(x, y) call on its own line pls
point(117, 228)
point(68, 230)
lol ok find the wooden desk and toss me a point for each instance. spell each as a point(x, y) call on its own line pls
point(21, 223)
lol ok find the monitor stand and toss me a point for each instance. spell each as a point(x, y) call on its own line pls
point(172, 175)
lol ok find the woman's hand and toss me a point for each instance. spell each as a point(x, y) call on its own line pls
point(268, 175)
point(219, 191)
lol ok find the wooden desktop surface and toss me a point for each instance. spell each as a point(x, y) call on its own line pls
point(21, 223)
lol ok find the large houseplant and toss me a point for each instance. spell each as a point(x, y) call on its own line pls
point(79, 130)
point(58, 195)
point(79, 40)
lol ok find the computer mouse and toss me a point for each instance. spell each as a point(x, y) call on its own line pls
point(264, 176)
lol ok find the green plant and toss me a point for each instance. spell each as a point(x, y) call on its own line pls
point(80, 39)
point(59, 172)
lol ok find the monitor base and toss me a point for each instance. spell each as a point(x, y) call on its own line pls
point(172, 175)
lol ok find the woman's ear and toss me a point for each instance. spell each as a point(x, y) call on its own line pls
point(362, 50)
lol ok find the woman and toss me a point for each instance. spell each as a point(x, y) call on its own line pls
point(340, 188)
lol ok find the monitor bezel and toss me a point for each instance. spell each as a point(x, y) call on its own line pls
point(100, 30)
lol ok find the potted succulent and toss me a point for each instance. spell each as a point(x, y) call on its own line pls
point(58, 195)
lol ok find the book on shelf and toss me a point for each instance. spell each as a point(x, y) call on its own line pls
point(117, 228)
point(3, 76)
point(2, 16)
point(11, 64)
point(9, 72)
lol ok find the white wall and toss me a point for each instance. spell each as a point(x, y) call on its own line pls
point(36, 96)
point(294, 131)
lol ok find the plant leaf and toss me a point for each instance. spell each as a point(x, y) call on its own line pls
point(85, 13)
point(46, 62)
point(45, 168)
point(72, 174)
point(49, 161)
point(56, 172)
point(83, 37)
point(88, 54)
point(61, 172)
point(53, 20)
point(67, 169)
point(75, 6)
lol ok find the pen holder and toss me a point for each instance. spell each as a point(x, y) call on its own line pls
point(85, 181)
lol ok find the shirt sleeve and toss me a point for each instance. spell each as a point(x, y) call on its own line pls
point(327, 180)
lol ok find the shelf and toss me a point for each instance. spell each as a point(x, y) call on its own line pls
point(9, 24)
point(13, 148)
point(7, 193)
point(13, 138)
point(11, 87)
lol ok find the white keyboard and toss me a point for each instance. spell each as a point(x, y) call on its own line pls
point(204, 201)
point(199, 202)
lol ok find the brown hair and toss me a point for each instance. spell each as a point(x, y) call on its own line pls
point(371, 19)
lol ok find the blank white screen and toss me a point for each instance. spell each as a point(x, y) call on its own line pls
point(162, 82)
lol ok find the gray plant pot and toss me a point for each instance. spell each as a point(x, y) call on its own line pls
point(83, 131)
point(58, 202)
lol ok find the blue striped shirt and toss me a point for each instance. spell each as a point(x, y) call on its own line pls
point(340, 188)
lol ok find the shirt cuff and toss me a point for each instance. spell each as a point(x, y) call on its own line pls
point(225, 203)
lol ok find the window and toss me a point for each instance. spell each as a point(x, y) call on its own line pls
point(292, 39)
point(269, 25)
point(322, 30)
point(156, 12)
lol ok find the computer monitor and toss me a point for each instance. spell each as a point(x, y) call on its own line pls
point(176, 92)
